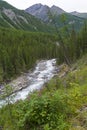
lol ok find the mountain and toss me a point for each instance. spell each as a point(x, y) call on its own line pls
point(56, 10)
point(19, 19)
point(37, 18)
point(42, 11)
point(39, 11)
point(54, 15)
point(68, 20)
point(82, 15)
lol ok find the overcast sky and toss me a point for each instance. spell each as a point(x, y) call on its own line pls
point(67, 5)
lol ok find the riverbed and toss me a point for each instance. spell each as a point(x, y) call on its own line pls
point(31, 81)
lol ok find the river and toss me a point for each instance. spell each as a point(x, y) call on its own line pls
point(42, 73)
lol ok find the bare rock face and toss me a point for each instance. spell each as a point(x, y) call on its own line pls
point(82, 15)
point(12, 16)
point(9, 13)
point(38, 10)
point(19, 83)
point(34, 9)
point(42, 11)
point(56, 10)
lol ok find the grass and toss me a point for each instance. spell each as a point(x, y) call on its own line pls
point(76, 80)
point(61, 105)
point(73, 86)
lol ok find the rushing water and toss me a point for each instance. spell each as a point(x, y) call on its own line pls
point(42, 73)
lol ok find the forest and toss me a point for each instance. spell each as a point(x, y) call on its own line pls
point(20, 50)
point(62, 99)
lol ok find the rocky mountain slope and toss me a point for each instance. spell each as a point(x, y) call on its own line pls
point(19, 19)
point(42, 11)
point(53, 15)
point(82, 15)
point(37, 18)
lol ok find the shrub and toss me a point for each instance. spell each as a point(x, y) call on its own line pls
point(48, 111)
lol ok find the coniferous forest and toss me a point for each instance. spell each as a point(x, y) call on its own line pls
point(45, 110)
point(20, 50)
point(62, 102)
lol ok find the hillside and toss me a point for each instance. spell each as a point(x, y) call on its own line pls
point(19, 19)
point(67, 20)
point(82, 15)
point(61, 104)
point(31, 54)
point(42, 11)
point(53, 15)
point(37, 18)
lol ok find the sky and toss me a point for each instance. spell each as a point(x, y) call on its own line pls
point(67, 5)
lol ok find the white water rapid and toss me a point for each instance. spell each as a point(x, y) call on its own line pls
point(42, 73)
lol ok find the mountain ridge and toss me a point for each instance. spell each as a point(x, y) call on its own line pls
point(42, 18)
point(55, 15)
point(53, 9)
point(11, 17)
point(82, 15)
point(41, 11)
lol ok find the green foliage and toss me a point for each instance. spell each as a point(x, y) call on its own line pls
point(21, 20)
point(56, 107)
point(25, 21)
point(20, 50)
point(68, 20)
point(6, 91)
point(41, 112)
point(75, 43)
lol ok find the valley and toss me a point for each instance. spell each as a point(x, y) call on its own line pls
point(43, 68)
